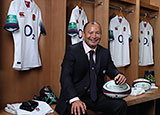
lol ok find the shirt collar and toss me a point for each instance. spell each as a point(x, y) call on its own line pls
point(31, 4)
point(87, 48)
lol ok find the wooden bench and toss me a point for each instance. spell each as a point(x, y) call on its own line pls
point(152, 95)
point(144, 104)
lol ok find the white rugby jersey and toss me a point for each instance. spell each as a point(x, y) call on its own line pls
point(145, 44)
point(42, 109)
point(77, 21)
point(25, 22)
point(120, 34)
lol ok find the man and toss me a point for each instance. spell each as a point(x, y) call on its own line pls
point(75, 97)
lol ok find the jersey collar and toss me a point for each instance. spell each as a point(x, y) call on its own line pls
point(31, 4)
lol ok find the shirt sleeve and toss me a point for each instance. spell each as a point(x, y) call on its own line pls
point(41, 25)
point(129, 32)
point(111, 29)
point(11, 21)
point(72, 27)
point(152, 35)
point(73, 99)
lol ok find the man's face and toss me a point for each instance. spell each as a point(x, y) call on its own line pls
point(92, 35)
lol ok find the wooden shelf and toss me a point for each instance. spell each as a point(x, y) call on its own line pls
point(149, 6)
point(125, 1)
point(129, 1)
point(133, 100)
point(155, 3)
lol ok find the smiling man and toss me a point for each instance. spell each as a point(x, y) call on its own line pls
point(82, 77)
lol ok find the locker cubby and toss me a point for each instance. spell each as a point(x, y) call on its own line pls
point(151, 12)
point(21, 86)
point(129, 11)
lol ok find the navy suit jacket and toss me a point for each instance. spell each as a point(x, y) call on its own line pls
point(75, 78)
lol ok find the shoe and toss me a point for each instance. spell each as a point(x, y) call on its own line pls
point(47, 95)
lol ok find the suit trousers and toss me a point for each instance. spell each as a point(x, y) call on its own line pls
point(104, 104)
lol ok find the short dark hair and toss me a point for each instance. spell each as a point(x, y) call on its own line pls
point(93, 22)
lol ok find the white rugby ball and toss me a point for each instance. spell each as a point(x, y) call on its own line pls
point(142, 83)
point(116, 91)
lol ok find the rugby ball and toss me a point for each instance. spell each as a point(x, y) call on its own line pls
point(142, 83)
point(116, 91)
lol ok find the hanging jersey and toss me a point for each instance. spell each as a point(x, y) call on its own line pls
point(25, 22)
point(77, 21)
point(145, 44)
point(120, 35)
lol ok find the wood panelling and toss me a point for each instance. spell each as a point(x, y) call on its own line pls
point(101, 15)
point(129, 1)
point(18, 86)
point(155, 3)
point(58, 41)
point(132, 70)
point(149, 6)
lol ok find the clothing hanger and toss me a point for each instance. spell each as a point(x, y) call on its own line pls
point(120, 14)
point(145, 18)
point(79, 5)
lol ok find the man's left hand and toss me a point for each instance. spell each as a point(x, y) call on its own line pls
point(120, 79)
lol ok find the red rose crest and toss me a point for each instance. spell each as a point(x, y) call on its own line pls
point(33, 17)
point(124, 28)
point(21, 14)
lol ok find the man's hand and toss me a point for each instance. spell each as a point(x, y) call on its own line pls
point(120, 79)
point(77, 107)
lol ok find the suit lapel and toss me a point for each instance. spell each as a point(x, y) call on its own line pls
point(84, 55)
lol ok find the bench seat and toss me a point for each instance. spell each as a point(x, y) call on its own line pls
point(131, 100)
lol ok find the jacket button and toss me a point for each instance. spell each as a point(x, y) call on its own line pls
point(85, 88)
